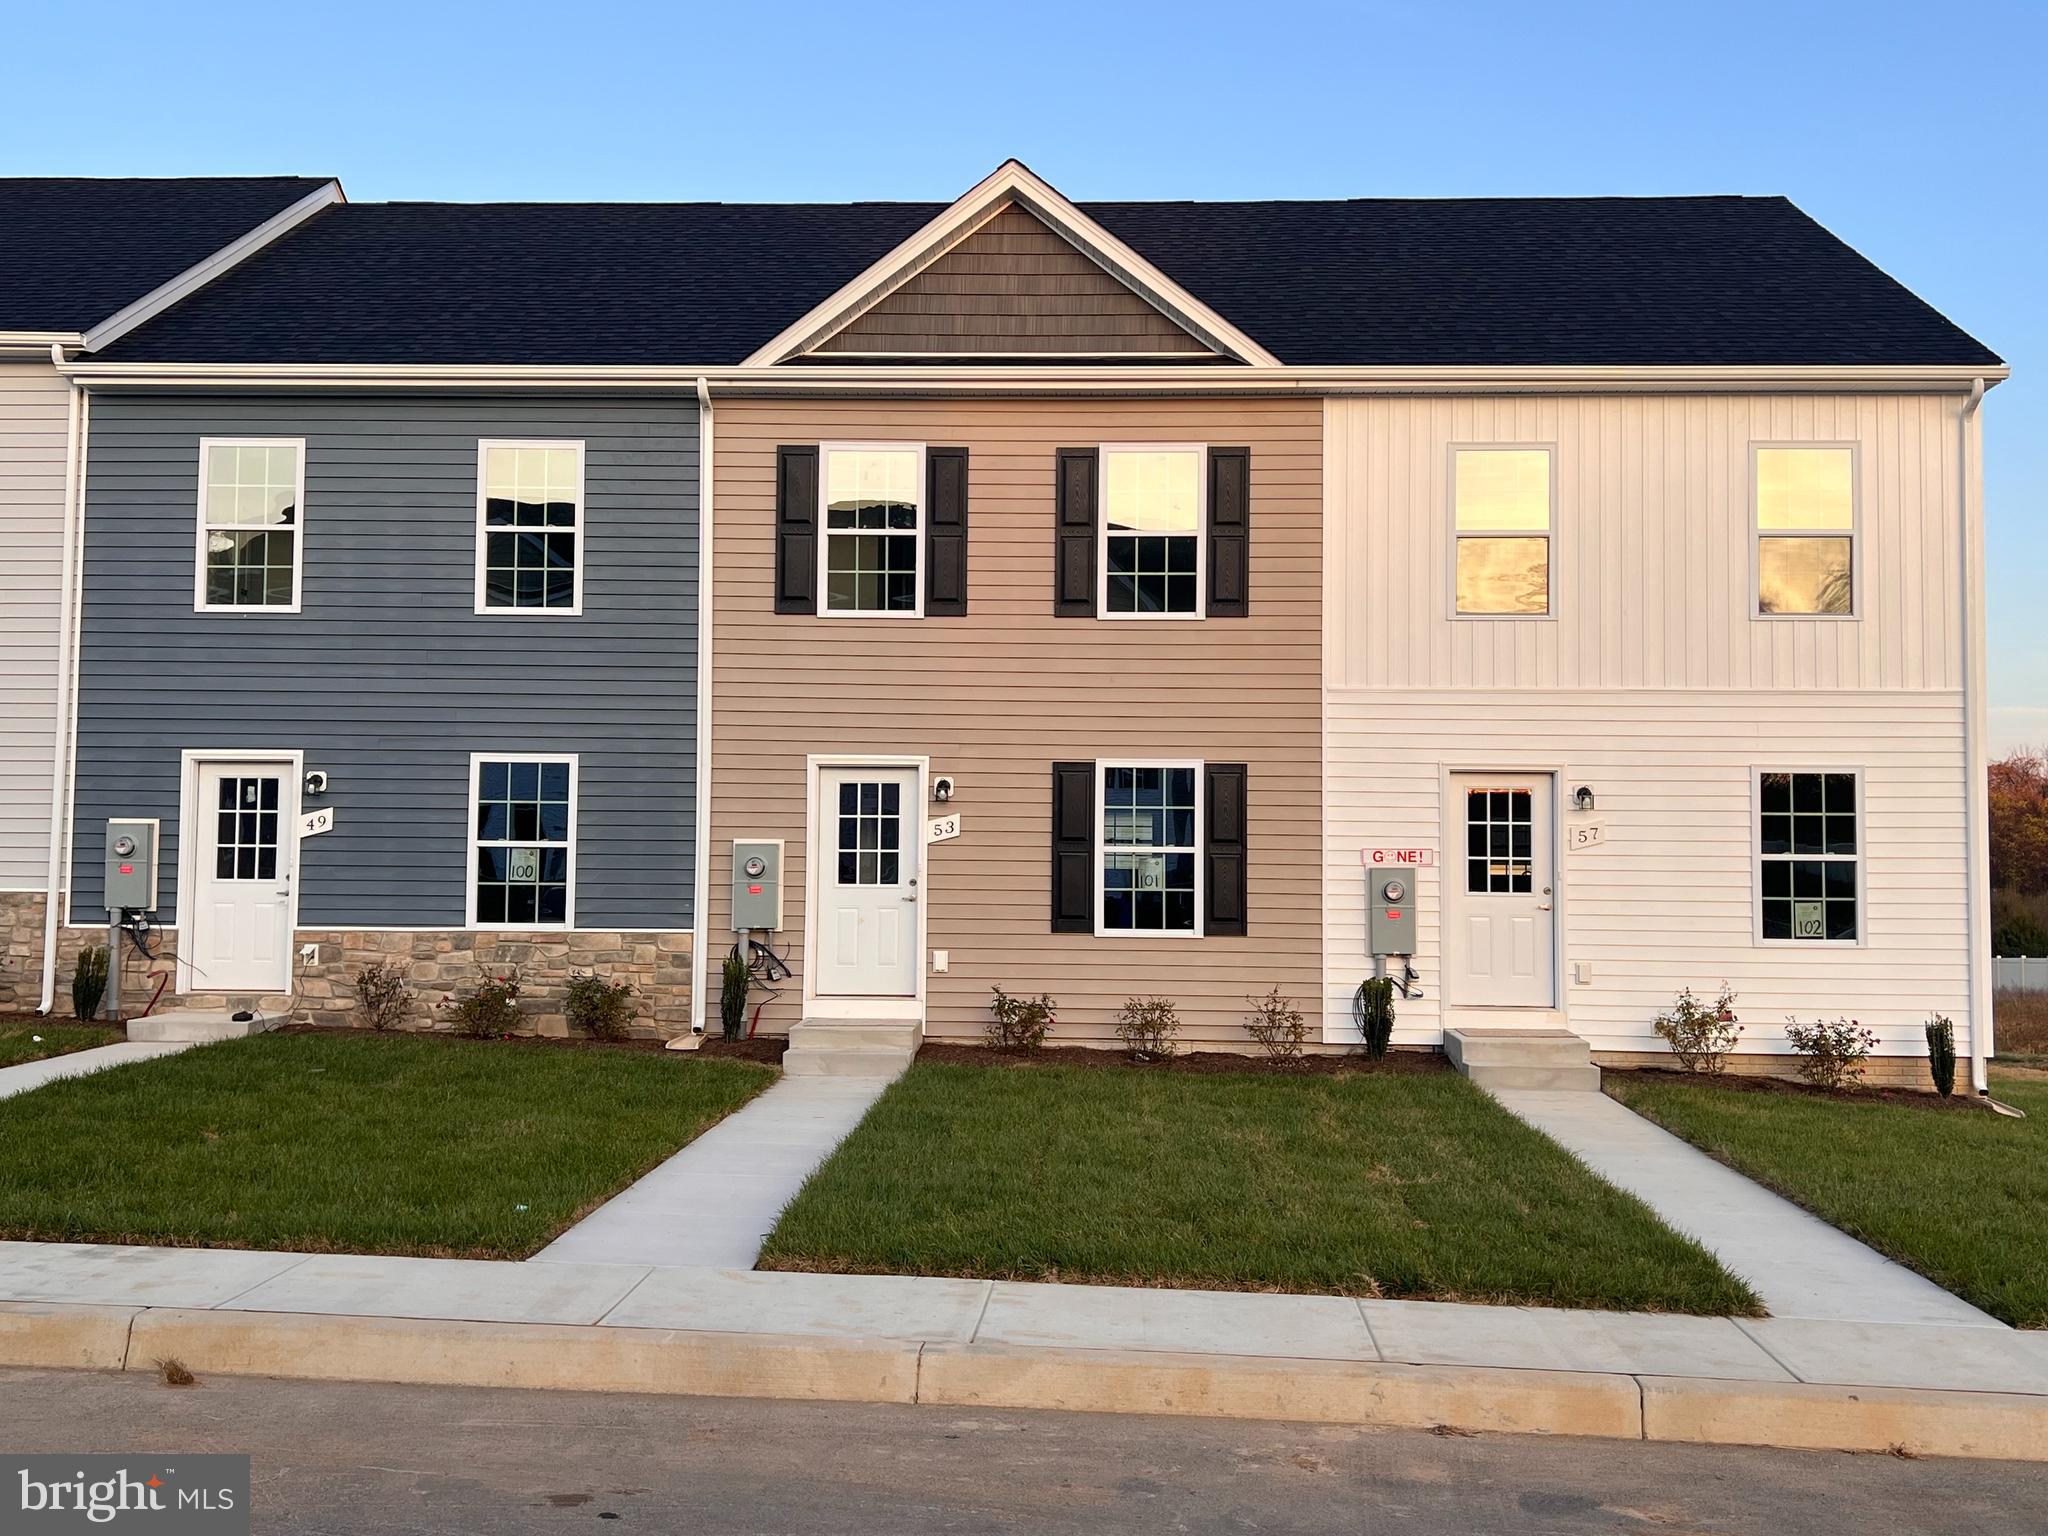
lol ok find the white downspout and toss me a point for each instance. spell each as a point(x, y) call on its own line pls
point(60, 754)
point(1977, 863)
point(700, 901)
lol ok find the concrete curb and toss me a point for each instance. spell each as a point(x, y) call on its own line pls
point(571, 1357)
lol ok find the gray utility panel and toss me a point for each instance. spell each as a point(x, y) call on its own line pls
point(756, 884)
point(131, 865)
point(1390, 911)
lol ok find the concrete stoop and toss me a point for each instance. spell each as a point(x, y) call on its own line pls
point(1542, 1060)
point(843, 1048)
point(197, 1025)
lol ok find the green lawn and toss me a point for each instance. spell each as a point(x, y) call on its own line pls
point(351, 1143)
point(1369, 1185)
point(18, 1042)
point(1961, 1196)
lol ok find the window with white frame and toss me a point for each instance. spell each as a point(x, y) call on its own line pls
point(523, 841)
point(1152, 531)
point(251, 491)
point(1808, 846)
point(1805, 531)
point(1502, 519)
point(529, 524)
point(874, 528)
point(1148, 856)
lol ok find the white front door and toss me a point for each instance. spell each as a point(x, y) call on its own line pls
point(870, 831)
point(1498, 904)
point(238, 914)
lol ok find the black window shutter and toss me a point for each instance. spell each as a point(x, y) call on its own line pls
point(945, 539)
point(1224, 875)
point(1230, 513)
point(796, 529)
point(1073, 847)
point(1074, 535)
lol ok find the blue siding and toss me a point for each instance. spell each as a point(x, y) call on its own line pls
point(388, 680)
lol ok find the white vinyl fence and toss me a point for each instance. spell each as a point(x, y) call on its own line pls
point(2020, 973)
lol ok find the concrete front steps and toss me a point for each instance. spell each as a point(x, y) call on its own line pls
point(197, 1025)
point(1543, 1060)
point(852, 1048)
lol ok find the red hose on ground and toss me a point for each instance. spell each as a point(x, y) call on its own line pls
point(163, 979)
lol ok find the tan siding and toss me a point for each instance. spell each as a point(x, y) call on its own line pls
point(1651, 583)
point(1015, 287)
point(1666, 900)
point(997, 697)
point(33, 416)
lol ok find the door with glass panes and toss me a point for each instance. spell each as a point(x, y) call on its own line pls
point(1499, 911)
point(239, 911)
point(870, 830)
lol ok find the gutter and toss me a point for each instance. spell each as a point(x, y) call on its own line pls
point(700, 897)
point(1976, 785)
point(77, 422)
point(903, 380)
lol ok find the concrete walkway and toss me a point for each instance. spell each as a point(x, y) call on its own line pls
point(1798, 1264)
point(716, 1200)
point(33, 1074)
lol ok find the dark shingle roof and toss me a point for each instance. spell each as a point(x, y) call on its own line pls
point(1535, 281)
point(74, 250)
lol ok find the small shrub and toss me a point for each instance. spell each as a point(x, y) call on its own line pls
point(602, 1009)
point(1373, 1007)
point(1149, 1028)
point(1941, 1054)
point(1277, 1025)
point(1020, 1023)
point(1831, 1055)
point(382, 995)
point(735, 981)
point(492, 1009)
point(175, 1373)
point(89, 982)
point(1701, 1035)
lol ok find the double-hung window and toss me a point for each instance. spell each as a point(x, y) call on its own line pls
point(1808, 847)
point(1805, 531)
point(1148, 856)
point(873, 520)
point(1153, 530)
point(251, 492)
point(1502, 517)
point(529, 527)
point(522, 840)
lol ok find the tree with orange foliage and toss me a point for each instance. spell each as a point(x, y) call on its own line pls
point(2019, 823)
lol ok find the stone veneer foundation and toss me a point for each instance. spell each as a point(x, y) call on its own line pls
point(21, 965)
point(1878, 1071)
point(438, 964)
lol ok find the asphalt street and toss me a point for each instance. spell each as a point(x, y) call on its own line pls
point(360, 1458)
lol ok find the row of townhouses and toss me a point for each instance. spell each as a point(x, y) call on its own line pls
point(1574, 600)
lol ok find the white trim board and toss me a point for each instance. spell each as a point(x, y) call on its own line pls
point(197, 276)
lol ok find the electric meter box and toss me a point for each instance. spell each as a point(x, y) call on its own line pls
point(131, 864)
point(1390, 912)
point(756, 884)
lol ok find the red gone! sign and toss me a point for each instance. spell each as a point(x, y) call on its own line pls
point(1387, 858)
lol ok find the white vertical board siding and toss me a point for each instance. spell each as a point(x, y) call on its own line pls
point(1667, 900)
point(33, 415)
point(1651, 583)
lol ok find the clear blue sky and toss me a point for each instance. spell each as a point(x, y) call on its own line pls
point(1917, 132)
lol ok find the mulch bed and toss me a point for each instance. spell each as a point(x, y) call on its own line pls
point(1197, 1062)
point(1910, 1097)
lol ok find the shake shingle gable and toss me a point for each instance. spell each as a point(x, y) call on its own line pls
point(74, 250)
point(1698, 281)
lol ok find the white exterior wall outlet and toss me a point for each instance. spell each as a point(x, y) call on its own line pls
point(1582, 972)
point(942, 961)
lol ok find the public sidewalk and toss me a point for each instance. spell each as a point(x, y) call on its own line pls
point(33, 1074)
point(1935, 1390)
point(1799, 1265)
